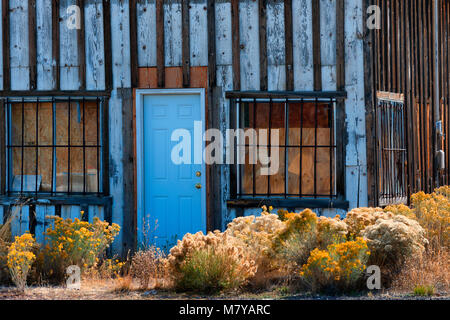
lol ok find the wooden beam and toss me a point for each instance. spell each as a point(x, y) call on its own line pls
point(2, 148)
point(107, 44)
point(289, 203)
point(5, 44)
point(340, 95)
point(185, 46)
point(55, 43)
point(160, 56)
point(32, 43)
point(81, 44)
point(316, 45)
point(236, 46)
point(211, 43)
point(289, 45)
point(369, 90)
point(263, 44)
point(105, 145)
point(340, 45)
point(54, 93)
point(133, 45)
point(128, 226)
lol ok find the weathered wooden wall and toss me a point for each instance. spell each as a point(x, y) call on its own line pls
point(410, 57)
point(299, 45)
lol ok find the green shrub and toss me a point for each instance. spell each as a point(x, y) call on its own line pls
point(423, 291)
point(208, 271)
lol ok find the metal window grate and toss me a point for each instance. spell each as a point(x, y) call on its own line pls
point(392, 152)
point(54, 145)
point(307, 147)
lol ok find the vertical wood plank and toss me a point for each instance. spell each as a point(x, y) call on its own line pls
point(262, 4)
point(32, 43)
point(6, 45)
point(303, 45)
point(2, 48)
point(69, 54)
point(20, 222)
point(2, 149)
point(212, 58)
point(96, 212)
point(65, 212)
point(146, 37)
point(236, 44)
point(19, 45)
point(55, 44)
point(340, 45)
point(328, 30)
point(42, 221)
point(198, 32)
point(107, 43)
point(160, 48)
point(44, 39)
point(81, 45)
point(316, 45)
point(133, 44)
point(276, 51)
point(185, 43)
point(120, 29)
point(289, 45)
point(249, 38)
point(173, 33)
point(95, 46)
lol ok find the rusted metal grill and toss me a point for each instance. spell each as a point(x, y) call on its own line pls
point(306, 147)
point(392, 152)
point(54, 145)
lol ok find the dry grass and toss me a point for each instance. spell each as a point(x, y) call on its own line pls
point(432, 269)
point(149, 265)
point(123, 284)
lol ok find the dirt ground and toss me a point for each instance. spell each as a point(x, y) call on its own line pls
point(105, 290)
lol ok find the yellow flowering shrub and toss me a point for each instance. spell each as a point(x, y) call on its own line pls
point(75, 243)
point(394, 240)
point(401, 209)
point(433, 213)
point(298, 237)
point(257, 234)
point(210, 262)
point(20, 259)
point(339, 268)
point(358, 219)
point(331, 231)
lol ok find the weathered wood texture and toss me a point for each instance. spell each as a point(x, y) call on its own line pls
point(410, 56)
point(269, 45)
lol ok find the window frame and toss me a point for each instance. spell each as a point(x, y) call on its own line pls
point(102, 145)
point(337, 200)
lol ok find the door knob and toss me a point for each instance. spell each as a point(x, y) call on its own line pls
point(198, 174)
point(198, 185)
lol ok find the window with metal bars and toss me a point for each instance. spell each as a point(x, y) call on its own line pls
point(54, 145)
point(306, 146)
point(391, 150)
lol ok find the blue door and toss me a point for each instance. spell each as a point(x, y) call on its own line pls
point(174, 194)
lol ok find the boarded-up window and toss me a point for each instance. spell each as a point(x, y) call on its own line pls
point(305, 146)
point(54, 146)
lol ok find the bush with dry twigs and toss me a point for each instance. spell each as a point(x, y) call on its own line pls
point(149, 264)
point(431, 269)
point(210, 263)
point(393, 241)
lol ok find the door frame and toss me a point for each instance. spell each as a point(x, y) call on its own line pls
point(139, 112)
